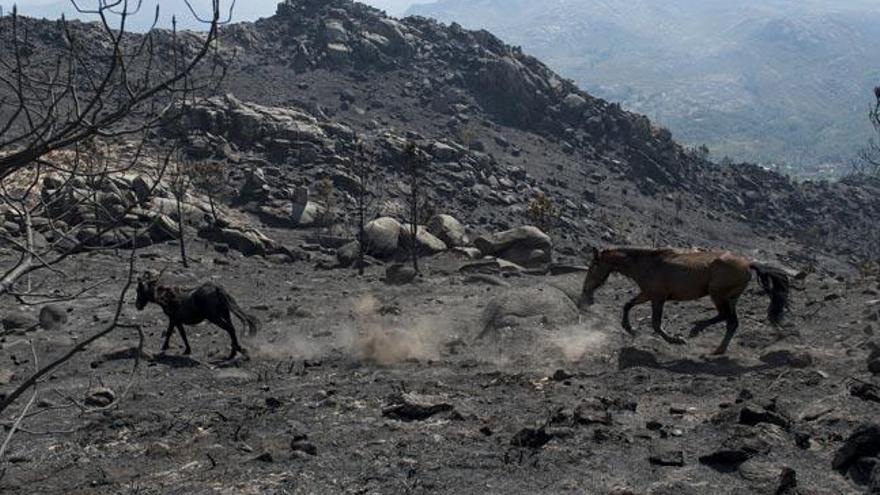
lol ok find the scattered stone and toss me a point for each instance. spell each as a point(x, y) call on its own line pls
point(399, 274)
point(100, 397)
point(412, 407)
point(874, 359)
point(348, 254)
point(6, 377)
point(300, 443)
point(863, 442)
point(667, 457)
point(865, 391)
point(736, 449)
point(265, 457)
point(158, 449)
point(561, 375)
point(752, 416)
point(787, 482)
point(531, 438)
point(18, 321)
point(52, 317)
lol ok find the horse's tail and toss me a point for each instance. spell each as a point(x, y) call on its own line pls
point(776, 284)
point(252, 322)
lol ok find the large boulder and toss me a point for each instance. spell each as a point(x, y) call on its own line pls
point(305, 213)
point(527, 246)
point(426, 243)
point(382, 237)
point(249, 242)
point(529, 307)
point(447, 229)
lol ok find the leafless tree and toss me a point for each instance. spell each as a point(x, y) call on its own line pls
point(415, 162)
point(180, 179)
point(363, 166)
point(209, 177)
point(98, 85)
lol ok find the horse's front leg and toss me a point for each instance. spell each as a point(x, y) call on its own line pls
point(639, 299)
point(170, 329)
point(657, 323)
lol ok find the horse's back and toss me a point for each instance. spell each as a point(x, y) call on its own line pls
point(694, 274)
point(208, 300)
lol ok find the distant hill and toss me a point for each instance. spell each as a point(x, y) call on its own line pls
point(758, 80)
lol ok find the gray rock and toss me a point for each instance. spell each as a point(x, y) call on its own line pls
point(529, 307)
point(399, 274)
point(17, 321)
point(444, 152)
point(426, 243)
point(574, 102)
point(6, 377)
point(347, 255)
point(52, 317)
point(382, 237)
point(248, 242)
point(100, 397)
point(526, 246)
point(447, 229)
point(141, 188)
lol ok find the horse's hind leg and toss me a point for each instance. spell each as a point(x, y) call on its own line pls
point(225, 322)
point(732, 326)
point(657, 323)
point(639, 299)
point(187, 350)
point(723, 314)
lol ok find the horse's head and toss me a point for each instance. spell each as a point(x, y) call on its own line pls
point(146, 289)
point(598, 273)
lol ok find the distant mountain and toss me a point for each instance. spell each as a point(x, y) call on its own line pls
point(758, 80)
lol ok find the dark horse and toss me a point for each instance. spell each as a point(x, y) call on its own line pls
point(673, 275)
point(193, 306)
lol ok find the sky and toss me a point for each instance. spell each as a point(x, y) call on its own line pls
point(244, 10)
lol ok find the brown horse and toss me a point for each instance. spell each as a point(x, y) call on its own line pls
point(673, 275)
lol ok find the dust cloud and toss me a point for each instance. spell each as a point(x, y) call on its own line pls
point(384, 343)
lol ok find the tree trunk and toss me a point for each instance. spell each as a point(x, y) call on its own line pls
point(180, 231)
point(213, 210)
point(26, 261)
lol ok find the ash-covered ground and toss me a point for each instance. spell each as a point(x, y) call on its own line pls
point(355, 386)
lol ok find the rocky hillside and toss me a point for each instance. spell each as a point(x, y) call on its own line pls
point(776, 81)
point(502, 129)
point(515, 128)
